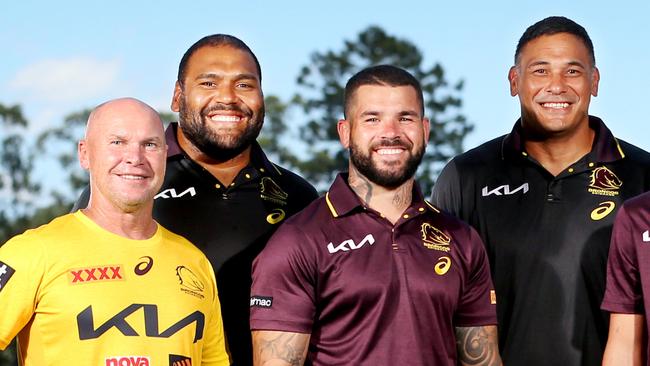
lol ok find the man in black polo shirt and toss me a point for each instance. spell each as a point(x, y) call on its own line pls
point(371, 274)
point(220, 190)
point(543, 199)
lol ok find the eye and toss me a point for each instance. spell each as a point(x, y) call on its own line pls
point(244, 85)
point(209, 84)
point(406, 119)
point(116, 142)
point(540, 72)
point(372, 120)
point(574, 72)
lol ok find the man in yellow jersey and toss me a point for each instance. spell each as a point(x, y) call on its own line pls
point(107, 285)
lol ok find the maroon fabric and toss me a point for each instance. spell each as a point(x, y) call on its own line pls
point(377, 301)
point(628, 266)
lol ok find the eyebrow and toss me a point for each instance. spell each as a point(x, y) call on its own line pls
point(401, 113)
point(543, 63)
point(212, 75)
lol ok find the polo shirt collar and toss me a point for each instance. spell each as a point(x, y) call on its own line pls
point(259, 161)
point(605, 147)
point(342, 200)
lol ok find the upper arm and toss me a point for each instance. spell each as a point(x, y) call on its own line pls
point(272, 348)
point(478, 346)
point(625, 343)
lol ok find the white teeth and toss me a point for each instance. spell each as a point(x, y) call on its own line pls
point(132, 177)
point(555, 105)
point(389, 151)
point(223, 118)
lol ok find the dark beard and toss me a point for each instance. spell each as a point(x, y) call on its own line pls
point(389, 179)
point(220, 148)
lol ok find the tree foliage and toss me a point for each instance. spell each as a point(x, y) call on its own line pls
point(321, 84)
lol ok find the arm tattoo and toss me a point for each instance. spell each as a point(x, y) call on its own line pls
point(477, 346)
point(287, 347)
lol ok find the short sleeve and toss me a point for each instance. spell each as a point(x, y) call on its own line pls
point(214, 345)
point(623, 289)
point(284, 279)
point(21, 272)
point(477, 305)
point(446, 192)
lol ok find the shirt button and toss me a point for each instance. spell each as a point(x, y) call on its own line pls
point(421, 209)
point(524, 153)
point(570, 170)
point(248, 176)
point(262, 170)
point(232, 184)
point(406, 216)
point(591, 165)
point(217, 186)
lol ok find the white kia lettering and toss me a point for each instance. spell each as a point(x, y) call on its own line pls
point(504, 190)
point(350, 244)
point(171, 193)
point(646, 237)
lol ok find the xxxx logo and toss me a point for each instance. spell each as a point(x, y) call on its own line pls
point(96, 274)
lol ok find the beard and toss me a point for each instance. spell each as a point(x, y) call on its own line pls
point(391, 177)
point(219, 146)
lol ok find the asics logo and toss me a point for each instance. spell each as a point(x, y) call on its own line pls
point(171, 193)
point(350, 244)
point(504, 190)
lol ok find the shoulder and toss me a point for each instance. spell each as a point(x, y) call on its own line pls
point(634, 154)
point(640, 203)
point(59, 228)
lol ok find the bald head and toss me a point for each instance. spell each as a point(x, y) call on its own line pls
point(124, 151)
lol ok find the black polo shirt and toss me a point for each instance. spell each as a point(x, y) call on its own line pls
point(371, 292)
point(547, 239)
point(230, 224)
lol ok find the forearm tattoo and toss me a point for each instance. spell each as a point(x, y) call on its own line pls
point(477, 346)
point(287, 347)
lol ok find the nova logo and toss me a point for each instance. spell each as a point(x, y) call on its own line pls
point(504, 190)
point(94, 274)
point(350, 244)
point(87, 330)
point(127, 361)
point(171, 193)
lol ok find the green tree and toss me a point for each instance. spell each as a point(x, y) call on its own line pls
point(321, 84)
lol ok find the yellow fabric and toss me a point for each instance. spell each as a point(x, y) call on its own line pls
point(76, 280)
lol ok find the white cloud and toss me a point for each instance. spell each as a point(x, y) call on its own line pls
point(66, 80)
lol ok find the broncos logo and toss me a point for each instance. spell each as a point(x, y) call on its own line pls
point(432, 235)
point(188, 279)
point(271, 191)
point(605, 179)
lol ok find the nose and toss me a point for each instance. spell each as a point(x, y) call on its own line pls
point(390, 128)
point(134, 154)
point(225, 93)
point(557, 84)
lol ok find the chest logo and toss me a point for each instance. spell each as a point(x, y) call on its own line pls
point(171, 193)
point(96, 274)
point(128, 360)
point(603, 209)
point(646, 236)
point(433, 238)
point(271, 191)
point(143, 267)
point(604, 182)
point(504, 190)
point(443, 265)
point(275, 216)
point(350, 244)
point(190, 283)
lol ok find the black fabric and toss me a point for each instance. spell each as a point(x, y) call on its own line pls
point(547, 239)
point(230, 224)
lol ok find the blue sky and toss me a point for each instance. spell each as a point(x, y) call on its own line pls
point(63, 56)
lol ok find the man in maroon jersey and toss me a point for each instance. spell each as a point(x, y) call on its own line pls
point(372, 273)
point(628, 285)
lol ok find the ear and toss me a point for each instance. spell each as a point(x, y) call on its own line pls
point(343, 128)
point(426, 126)
point(176, 99)
point(513, 74)
point(82, 152)
point(595, 79)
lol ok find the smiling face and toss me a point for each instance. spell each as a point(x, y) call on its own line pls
point(386, 133)
point(220, 102)
point(124, 152)
point(554, 79)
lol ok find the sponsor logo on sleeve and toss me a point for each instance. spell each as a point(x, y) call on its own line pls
point(271, 191)
point(104, 273)
point(190, 283)
point(646, 238)
point(433, 238)
point(493, 297)
point(128, 361)
point(5, 274)
point(604, 182)
point(261, 301)
point(143, 267)
point(177, 360)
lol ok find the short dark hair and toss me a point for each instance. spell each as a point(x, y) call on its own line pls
point(554, 25)
point(215, 40)
point(381, 75)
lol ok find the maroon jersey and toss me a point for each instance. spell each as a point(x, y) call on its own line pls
point(370, 292)
point(628, 266)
